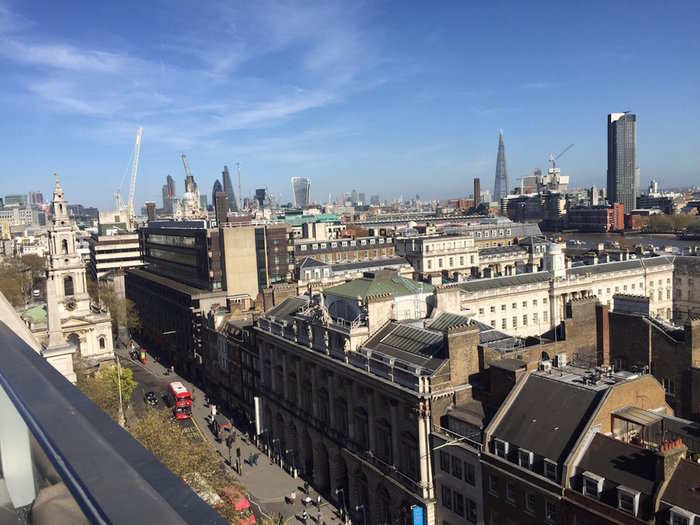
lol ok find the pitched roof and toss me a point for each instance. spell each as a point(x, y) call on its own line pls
point(547, 416)
point(379, 285)
point(287, 308)
point(619, 266)
point(310, 262)
point(445, 321)
point(684, 488)
point(481, 285)
point(409, 344)
point(380, 262)
point(621, 463)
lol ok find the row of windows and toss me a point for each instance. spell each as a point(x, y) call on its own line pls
point(450, 262)
point(453, 465)
point(343, 244)
point(527, 499)
point(458, 503)
point(513, 306)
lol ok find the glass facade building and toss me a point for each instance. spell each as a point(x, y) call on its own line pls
point(623, 177)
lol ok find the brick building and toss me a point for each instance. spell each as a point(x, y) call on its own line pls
point(671, 354)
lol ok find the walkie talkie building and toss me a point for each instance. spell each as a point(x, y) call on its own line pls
point(301, 187)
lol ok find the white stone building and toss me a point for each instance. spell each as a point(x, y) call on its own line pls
point(530, 304)
point(72, 320)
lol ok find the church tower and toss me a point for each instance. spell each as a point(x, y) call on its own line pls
point(66, 269)
point(74, 326)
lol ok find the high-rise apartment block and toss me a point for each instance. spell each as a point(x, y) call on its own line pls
point(623, 179)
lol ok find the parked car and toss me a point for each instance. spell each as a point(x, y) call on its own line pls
point(151, 398)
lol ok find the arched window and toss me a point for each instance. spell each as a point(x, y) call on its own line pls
point(383, 440)
point(323, 408)
point(68, 285)
point(341, 415)
point(102, 343)
point(361, 433)
point(64, 246)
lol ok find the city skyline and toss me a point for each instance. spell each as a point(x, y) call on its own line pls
point(353, 100)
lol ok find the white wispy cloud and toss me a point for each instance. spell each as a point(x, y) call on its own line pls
point(61, 56)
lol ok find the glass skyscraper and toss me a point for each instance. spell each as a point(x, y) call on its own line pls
point(623, 178)
point(500, 188)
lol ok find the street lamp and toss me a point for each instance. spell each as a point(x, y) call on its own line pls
point(364, 513)
point(122, 420)
point(343, 508)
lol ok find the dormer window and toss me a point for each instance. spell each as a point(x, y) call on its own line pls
point(592, 485)
point(525, 458)
point(501, 447)
point(550, 470)
point(681, 516)
point(628, 500)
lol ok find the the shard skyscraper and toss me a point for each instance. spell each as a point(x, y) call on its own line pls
point(500, 188)
point(228, 189)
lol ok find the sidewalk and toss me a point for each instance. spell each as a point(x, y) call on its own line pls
point(266, 482)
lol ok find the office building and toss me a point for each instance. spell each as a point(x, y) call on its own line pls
point(606, 218)
point(190, 268)
point(623, 181)
point(16, 200)
point(203, 203)
point(113, 250)
point(501, 188)
point(477, 191)
point(35, 197)
point(300, 189)
point(228, 189)
point(260, 197)
point(150, 210)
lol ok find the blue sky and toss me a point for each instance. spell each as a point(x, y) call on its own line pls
point(385, 97)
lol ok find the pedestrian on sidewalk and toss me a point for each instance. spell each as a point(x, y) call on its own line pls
point(318, 501)
point(306, 487)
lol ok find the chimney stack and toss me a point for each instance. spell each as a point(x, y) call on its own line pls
point(668, 456)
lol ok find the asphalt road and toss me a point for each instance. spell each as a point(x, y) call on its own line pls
point(147, 381)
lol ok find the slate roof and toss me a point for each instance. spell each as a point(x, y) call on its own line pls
point(497, 250)
point(684, 488)
point(619, 266)
point(372, 263)
point(445, 321)
point(547, 416)
point(372, 286)
point(287, 308)
point(310, 262)
point(410, 344)
point(481, 285)
point(621, 463)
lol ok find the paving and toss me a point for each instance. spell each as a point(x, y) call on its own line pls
point(268, 485)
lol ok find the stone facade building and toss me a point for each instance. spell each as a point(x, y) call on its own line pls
point(349, 394)
point(72, 319)
point(686, 276)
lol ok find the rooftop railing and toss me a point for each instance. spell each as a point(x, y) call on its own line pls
point(65, 460)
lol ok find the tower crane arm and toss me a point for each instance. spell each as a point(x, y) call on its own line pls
point(134, 171)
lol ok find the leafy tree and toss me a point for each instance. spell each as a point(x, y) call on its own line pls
point(102, 388)
point(123, 311)
point(194, 461)
point(35, 263)
point(10, 286)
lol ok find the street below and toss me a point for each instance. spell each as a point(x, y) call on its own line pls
point(267, 485)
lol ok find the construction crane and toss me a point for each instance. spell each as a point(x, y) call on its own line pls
point(188, 173)
point(134, 171)
point(554, 159)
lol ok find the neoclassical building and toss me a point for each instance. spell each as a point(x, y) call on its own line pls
point(350, 393)
point(530, 304)
point(71, 317)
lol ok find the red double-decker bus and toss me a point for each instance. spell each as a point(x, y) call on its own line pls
point(180, 399)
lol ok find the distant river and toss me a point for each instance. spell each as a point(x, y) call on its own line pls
point(656, 239)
